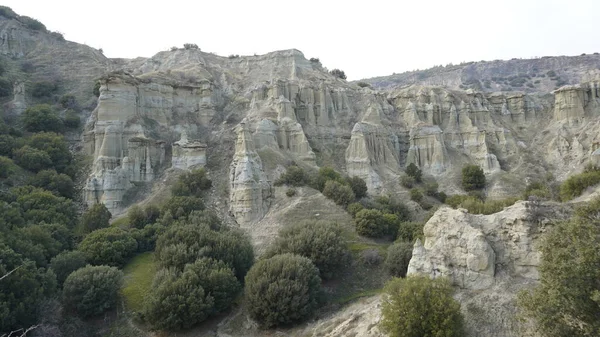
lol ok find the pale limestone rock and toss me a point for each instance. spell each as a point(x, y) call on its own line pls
point(250, 191)
point(427, 149)
point(569, 104)
point(469, 248)
point(18, 104)
point(188, 154)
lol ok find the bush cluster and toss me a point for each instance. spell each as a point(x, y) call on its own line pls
point(92, 290)
point(426, 306)
point(576, 184)
point(473, 178)
point(475, 205)
point(321, 242)
point(378, 218)
point(338, 73)
point(282, 290)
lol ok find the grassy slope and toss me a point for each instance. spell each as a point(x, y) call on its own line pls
point(139, 273)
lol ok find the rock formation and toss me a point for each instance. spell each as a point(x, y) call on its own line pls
point(250, 190)
point(485, 256)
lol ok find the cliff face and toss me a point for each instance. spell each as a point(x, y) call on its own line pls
point(488, 258)
point(293, 108)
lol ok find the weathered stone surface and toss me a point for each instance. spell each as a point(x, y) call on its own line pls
point(468, 248)
point(188, 154)
point(250, 191)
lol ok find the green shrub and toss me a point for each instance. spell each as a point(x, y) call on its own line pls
point(140, 218)
point(426, 306)
point(192, 183)
point(72, 119)
point(325, 174)
point(42, 117)
point(568, 290)
point(57, 183)
point(188, 46)
point(321, 242)
point(43, 89)
point(282, 290)
point(96, 90)
point(338, 73)
point(6, 88)
point(65, 263)
point(413, 171)
point(68, 101)
point(537, 189)
point(108, 246)
point(180, 207)
point(387, 205)
point(358, 186)
point(473, 178)
point(431, 189)
point(179, 300)
point(340, 194)
point(55, 146)
point(363, 84)
point(7, 144)
point(409, 231)
point(92, 290)
point(38, 205)
point(7, 167)
point(416, 195)
point(576, 184)
point(181, 244)
point(314, 60)
point(407, 181)
point(371, 223)
point(293, 176)
point(32, 23)
point(354, 208)
point(475, 205)
point(32, 159)
point(290, 192)
point(96, 217)
point(398, 257)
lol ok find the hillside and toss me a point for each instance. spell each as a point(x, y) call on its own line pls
point(186, 147)
point(526, 75)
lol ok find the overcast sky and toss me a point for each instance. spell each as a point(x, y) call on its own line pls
point(363, 38)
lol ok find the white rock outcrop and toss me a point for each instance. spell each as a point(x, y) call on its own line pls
point(250, 190)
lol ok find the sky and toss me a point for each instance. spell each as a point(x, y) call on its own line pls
point(363, 38)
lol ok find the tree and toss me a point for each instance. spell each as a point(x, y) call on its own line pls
point(472, 178)
point(181, 244)
point(7, 144)
point(108, 246)
point(180, 207)
point(32, 159)
point(65, 263)
point(321, 242)
point(92, 290)
point(23, 287)
point(413, 171)
point(359, 187)
point(38, 205)
point(58, 183)
point(176, 301)
point(338, 73)
point(96, 217)
point(282, 290)
point(293, 176)
point(139, 218)
point(370, 222)
point(192, 183)
point(325, 174)
point(419, 306)
point(42, 117)
point(398, 257)
point(340, 194)
point(567, 300)
point(7, 167)
point(55, 146)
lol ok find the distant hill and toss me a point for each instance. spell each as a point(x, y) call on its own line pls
point(529, 75)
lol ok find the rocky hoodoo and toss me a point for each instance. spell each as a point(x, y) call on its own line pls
point(250, 191)
point(488, 257)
